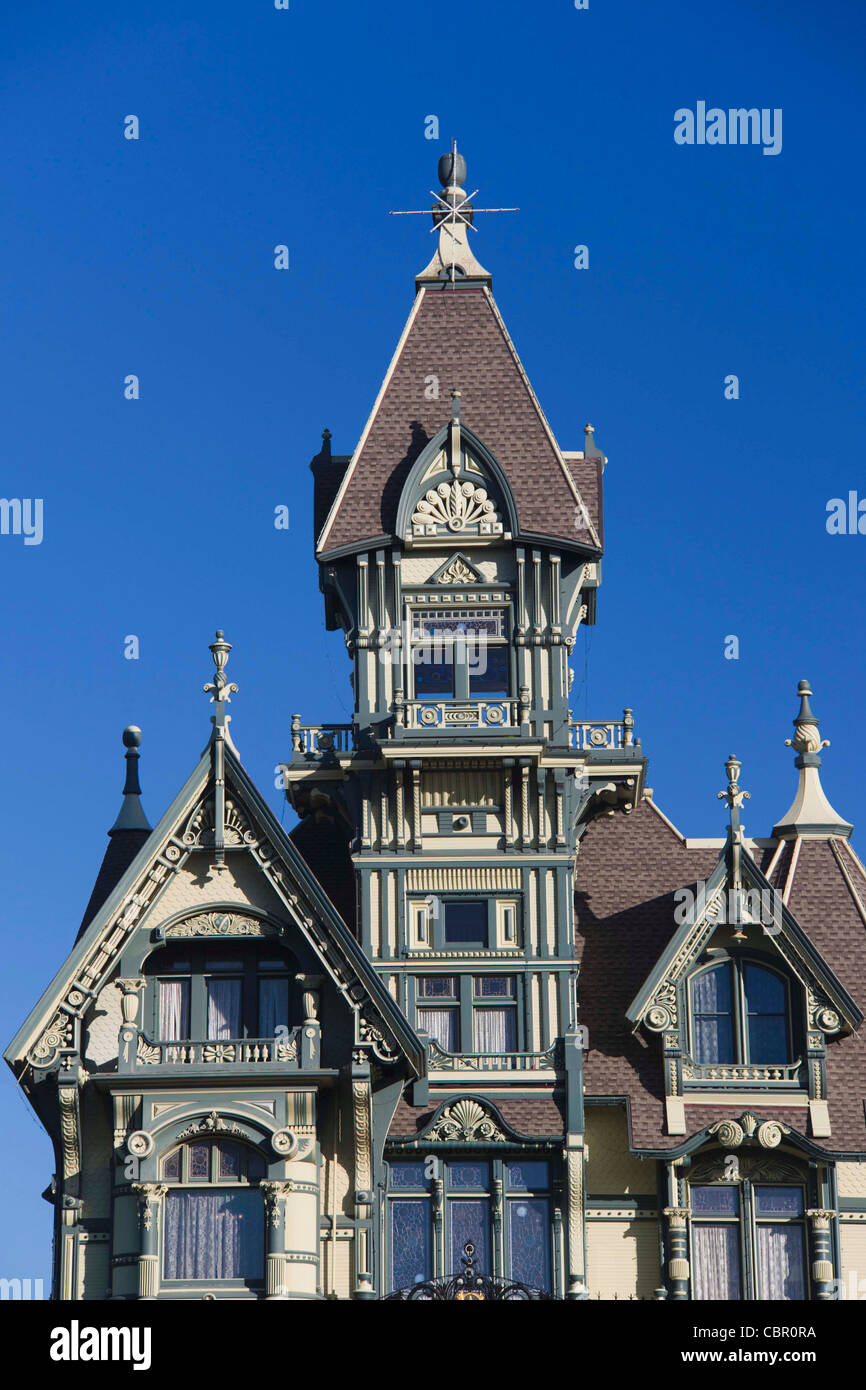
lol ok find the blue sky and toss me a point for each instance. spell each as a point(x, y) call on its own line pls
point(304, 127)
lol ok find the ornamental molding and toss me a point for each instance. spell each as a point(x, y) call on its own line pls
point(466, 1121)
point(237, 829)
point(57, 1035)
point(749, 1129)
point(220, 924)
point(456, 507)
point(149, 1194)
point(212, 1124)
point(371, 1035)
point(67, 1097)
point(457, 570)
point(363, 1153)
point(755, 1167)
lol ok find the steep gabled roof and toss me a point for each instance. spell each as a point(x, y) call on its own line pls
point(457, 336)
point(94, 953)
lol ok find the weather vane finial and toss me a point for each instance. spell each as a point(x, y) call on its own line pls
point(453, 217)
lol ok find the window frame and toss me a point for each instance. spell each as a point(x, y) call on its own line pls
point(737, 962)
point(432, 909)
point(466, 1000)
point(444, 1261)
point(188, 1184)
point(461, 667)
point(198, 976)
point(748, 1222)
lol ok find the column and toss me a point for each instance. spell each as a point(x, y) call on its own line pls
point(150, 1195)
point(678, 1264)
point(822, 1252)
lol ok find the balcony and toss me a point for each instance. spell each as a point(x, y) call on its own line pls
point(296, 1050)
point(602, 736)
point(510, 1062)
point(321, 740)
point(436, 716)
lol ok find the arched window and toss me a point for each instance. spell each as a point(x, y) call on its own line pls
point(214, 1222)
point(740, 1013)
point(221, 990)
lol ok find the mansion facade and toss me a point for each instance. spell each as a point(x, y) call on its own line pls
point(485, 1015)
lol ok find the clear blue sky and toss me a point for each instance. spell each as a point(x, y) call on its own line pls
point(304, 127)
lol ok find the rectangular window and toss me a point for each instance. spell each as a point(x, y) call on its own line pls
point(715, 1260)
point(443, 1025)
point(273, 1006)
point(411, 1242)
point(466, 923)
point(214, 1235)
point(781, 1261)
point(470, 1223)
point(173, 1022)
point(223, 1009)
point(494, 1027)
point(713, 1016)
point(488, 670)
point(529, 1241)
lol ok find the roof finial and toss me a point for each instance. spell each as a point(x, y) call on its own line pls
point(810, 813)
point(221, 689)
point(131, 815)
point(453, 216)
point(734, 796)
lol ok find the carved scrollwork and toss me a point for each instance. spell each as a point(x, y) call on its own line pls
point(57, 1035)
point(147, 1054)
point(467, 1121)
point(237, 830)
point(770, 1134)
point(729, 1134)
point(457, 507)
point(375, 1038)
point(220, 924)
point(662, 1013)
point(211, 1124)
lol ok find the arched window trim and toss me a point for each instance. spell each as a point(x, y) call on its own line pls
point(416, 485)
point(738, 960)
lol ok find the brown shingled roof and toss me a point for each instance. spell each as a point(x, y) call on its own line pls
point(628, 869)
point(542, 1117)
point(458, 336)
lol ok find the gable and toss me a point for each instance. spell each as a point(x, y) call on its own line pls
point(174, 877)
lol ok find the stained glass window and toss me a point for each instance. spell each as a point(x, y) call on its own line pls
point(411, 1242)
point(465, 1175)
point(470, 1221)
point(529, 1240)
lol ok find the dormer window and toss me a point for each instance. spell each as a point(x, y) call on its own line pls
point(460, 654)
point(740, 1014)
point(217, 992)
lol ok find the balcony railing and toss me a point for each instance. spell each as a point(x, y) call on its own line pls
point(601, 735)
point(295, 1049)
point(457, 714)
point(719, 1073)
point(492, 1061)
point(318, 739)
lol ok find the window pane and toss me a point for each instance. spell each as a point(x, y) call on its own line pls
point(714, 1040)
point(466, 923)
point(411, 1243)
point(214, 1235)
point(432, 677)
point(529, 1175)
point(768, 1039)
point(173, 1010)
point(469, 1222)
point(715, 1260)
point(713, 1017)
point(471, 1176)
point(781, 1262)
point(779, 1201)
point(495, 1030)
point(711, 991)
point(529, 1241)
point(230, 1161)
point(273, 1007)
point(199, 1161)
point(171, 1167)
point(255, 1165)
point(437, 987)
point(488, 669)
point(442, 1025)
point(765, 992)
point(405, 1173)
point(223, 963)
point(716, 1201)
point(494, 986)
point(224, 1008)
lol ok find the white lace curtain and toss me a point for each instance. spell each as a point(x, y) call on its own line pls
point(781, 1261)
point(214, 1235)
point(173, 1009)
point(224, 1009)
point(441, 1024)
point(715, 1260)
point(495, 1030)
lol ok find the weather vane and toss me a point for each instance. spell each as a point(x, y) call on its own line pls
point(453, 210)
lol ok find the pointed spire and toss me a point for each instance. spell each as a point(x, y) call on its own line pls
point(131, 815)
point(810, 814)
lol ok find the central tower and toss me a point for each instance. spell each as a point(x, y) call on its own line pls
point(459, 550)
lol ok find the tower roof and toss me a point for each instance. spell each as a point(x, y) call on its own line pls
point(810, 814)
point(126, 836)
point(455, 338)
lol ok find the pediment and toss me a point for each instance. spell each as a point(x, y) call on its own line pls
point(457, 570)
point(179, 886)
